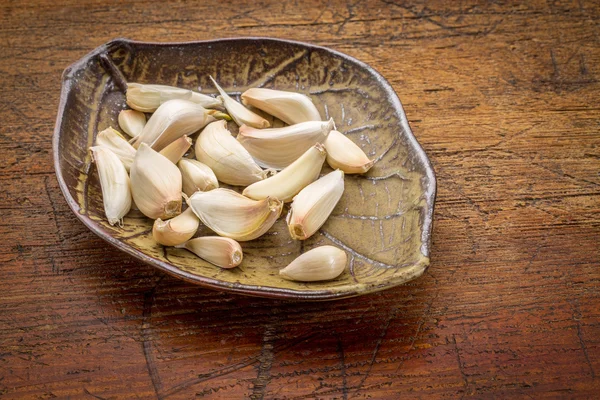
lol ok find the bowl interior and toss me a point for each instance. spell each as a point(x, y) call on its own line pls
point(383, 220)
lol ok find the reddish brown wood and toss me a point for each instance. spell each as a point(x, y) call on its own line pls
point(504, 99)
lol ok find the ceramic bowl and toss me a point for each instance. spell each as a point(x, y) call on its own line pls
point(383, 220)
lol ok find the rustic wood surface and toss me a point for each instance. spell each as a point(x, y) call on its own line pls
point(504, 98)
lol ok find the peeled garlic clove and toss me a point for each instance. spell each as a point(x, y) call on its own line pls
point(291, 180)
point(116, 192)
point(279, 147)
point(231, 163)
point(240, 114)
point(155, 184)
point(344, 154)
point(176, 230)
point(132, 122)
point(232, 215)
point(313, 205)
point(223, 252)
point(196, 176)
point(290, 107)
point(117, 144)
point(319, 264)
point(177, 149)
point(148, 98)
point(173, 119)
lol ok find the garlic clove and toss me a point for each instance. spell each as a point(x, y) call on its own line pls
point(196, 176)
point(220, 251)
point(132, 122)
point(344, 154)
point(114, 181)
point(279, 147)
point(319, 264)
point(291, 180)
point(173, 119)
point(240, 114)
point(116, 142)
point(313, 205)
point(147, 98)
point(176, 230)
point(155, 184)
point(231, 163)
point(290, 107)
point(232, 215)
point(177, 149)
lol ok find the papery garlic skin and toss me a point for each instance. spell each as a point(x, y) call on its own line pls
point(155, 184)
point(117, 144)
point(319, 264)
point(232, 215)
point(291, 180)
point(147, 97)
point(231, 163)
point(220, 251)
point(290, 107)
point(240, 114)
point(313, 205)
point(173, 119)
point(279, 147)
point(176, 230)
point(132, 122)
point(177, 149)
point(344, 154)
point(196, 176)
point(114, 181)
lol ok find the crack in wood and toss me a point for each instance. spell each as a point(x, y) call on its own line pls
point(341, 355)
point(576, 318)
point(376, 351)
point(266, 357)
point(236, 366)
point(460, 366)
point(147, 340)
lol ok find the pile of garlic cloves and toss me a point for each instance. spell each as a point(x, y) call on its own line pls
point(272, 166)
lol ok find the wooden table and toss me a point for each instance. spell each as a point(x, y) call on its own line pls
point(504, 99)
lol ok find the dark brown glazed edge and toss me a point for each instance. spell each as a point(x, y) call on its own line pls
point(250, 290)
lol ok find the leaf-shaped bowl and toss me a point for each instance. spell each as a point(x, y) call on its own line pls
point(383, 220)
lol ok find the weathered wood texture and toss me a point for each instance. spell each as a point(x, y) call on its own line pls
point(504, 98)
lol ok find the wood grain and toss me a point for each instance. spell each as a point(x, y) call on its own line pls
point(504, 99)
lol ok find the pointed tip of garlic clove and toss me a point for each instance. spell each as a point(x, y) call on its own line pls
point(220, 115)
point(240, 114)
point(319, 264)
point(177, 149)
point(330, 125)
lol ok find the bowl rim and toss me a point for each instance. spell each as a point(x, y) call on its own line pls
point(240, 288)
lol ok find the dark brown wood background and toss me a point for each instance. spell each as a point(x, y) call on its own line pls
point(504, 97)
